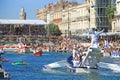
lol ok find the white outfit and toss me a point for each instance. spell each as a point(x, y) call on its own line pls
point(76, 63)
point(20, 40)
point(94, 41)
point(73, 53)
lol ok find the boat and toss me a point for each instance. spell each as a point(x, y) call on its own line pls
point(19, 63)
point(3, 74)
point(39, 53)
point(88, 63)
point(5, 60)
point(1, 51)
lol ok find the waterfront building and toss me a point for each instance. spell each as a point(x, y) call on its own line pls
point(100, 19)
point(91, 14)
point(113, 25)
point(117, 14)
point(77, 18)
point(22, 14)
point(53, 12)
point(43, 14)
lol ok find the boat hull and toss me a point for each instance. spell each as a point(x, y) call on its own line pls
point(38, 53)
point(19, 63)
point(5, 60)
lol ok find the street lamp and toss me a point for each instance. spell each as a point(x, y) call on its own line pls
point(68, 24)
point(69, 8)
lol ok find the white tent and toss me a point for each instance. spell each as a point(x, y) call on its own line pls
point(22, 22)
point(29, 22)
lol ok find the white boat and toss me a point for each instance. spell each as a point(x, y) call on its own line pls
point(16, 48)
point(89, 63)
point(4, 74)
point(10, 47)
point(1, 51)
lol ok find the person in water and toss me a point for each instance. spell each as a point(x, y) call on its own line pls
point(94, 38)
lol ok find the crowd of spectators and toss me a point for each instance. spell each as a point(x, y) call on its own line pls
point(22, 30)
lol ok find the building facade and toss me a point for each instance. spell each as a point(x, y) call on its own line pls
point(53, 13)
point(117, 14)
point(98, 16)
point(77, 18)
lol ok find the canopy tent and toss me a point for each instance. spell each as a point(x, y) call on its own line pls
point(29, 22)
point(21, 24)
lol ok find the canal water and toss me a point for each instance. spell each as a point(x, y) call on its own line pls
point(34, 68)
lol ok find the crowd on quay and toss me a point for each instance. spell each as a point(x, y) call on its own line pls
point(67, 45)
point(78, 46)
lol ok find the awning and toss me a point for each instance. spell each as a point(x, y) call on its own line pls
point(28, 22)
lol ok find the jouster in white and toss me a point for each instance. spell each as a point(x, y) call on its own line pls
point(94, 38)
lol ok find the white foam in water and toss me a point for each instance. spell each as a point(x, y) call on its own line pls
point(53, 70)
point(61, 63)
point(46, 68)
point(114, 67)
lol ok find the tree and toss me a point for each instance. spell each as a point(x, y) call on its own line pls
point(53, 30)
point(110, 11)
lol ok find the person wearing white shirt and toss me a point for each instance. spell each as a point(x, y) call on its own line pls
point(94, 38)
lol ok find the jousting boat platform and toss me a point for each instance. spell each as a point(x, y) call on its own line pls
point(89, 62)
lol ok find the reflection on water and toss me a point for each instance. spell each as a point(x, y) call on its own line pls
point(33, 70)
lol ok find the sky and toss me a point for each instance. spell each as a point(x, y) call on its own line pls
point(10, 9)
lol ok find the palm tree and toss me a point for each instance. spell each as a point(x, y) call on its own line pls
point(110, 12)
